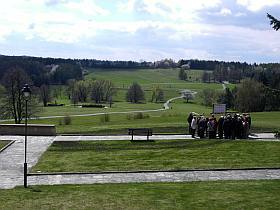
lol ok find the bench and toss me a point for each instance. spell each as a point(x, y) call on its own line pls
point(140, 132)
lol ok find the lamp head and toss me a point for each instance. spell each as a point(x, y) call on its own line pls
point(26, 91)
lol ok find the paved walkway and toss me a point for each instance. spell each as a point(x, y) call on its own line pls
point(11, 165)
point(12, 159)
point(185, 176)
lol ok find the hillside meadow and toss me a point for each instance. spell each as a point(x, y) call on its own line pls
point(173, 120)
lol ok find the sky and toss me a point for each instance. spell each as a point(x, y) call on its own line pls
point(229, 30)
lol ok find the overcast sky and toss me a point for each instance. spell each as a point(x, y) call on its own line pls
point(231, 30)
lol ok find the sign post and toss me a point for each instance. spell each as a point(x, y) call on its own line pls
point(219, 108)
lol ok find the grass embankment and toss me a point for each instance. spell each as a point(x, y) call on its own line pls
point(194, 195)
point(93, 156)
point(3, 144)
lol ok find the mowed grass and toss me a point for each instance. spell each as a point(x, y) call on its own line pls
point(3, 144)
point(266, 121)
point(169, 121)
point(125, 77)
point(96, 156)
point(257, 194)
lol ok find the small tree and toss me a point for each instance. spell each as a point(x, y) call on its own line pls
point(45, 95)
point(182, 74)
point(206, 77)
point(187, 95)
point(13, 104)
point(208, 97)
point(157, 94)
point(135, 94)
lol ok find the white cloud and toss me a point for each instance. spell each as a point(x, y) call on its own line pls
point(225, 12)
point(170, 9)
point(256, 5)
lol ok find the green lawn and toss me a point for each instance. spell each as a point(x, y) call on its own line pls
point(93, 156)
point(194, 195)
point(3, 144)
point(169, 121)
point(123, 78)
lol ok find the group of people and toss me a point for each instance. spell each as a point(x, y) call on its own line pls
point(228, 127)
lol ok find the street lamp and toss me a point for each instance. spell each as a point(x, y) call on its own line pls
point(26, 93)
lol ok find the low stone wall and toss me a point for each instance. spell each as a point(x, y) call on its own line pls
point(32, 129)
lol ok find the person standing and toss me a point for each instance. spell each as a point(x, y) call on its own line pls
point(201, 127)
point(227, 127)
point(193, 126)
point(190, 118)
point(211, 128)
point(220, 127)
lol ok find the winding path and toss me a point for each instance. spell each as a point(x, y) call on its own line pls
point(166, 106)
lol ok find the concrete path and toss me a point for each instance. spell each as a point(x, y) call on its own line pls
point(11, 164)
point(186, 176)
point(12, 159)
point(255, 137)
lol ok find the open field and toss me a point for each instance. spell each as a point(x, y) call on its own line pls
point(96, 156)
point(195, 195)
point(169, 121)
point(143, 76)
point(3, 144)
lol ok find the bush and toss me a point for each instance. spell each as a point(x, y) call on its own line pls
point(129, 117)
point(105, 118)
point(67, 120)
point(140, 115)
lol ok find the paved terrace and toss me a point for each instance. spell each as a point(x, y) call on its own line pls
point(11, 165)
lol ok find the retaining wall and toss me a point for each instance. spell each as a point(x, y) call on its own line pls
point(32, 129)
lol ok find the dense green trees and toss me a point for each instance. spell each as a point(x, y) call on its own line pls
point(250, 96)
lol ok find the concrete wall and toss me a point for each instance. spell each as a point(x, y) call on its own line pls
point(32, 129)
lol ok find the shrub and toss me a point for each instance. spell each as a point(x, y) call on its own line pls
point(105, 118)
point(129, 117)
point(67, 120)
point(140, 115)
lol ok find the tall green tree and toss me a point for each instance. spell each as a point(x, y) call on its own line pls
point(227, 98)
point(250, 96)
point(135, 94)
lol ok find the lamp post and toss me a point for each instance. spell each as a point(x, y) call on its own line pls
point(26, 93)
